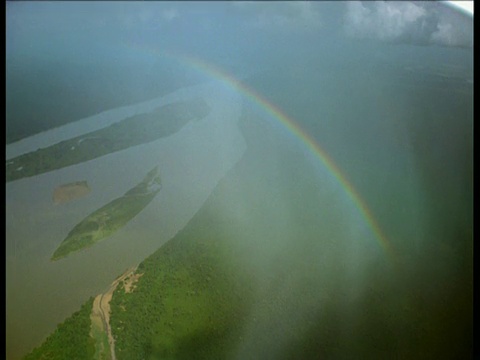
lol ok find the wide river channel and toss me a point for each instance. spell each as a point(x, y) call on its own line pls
point(41, 293)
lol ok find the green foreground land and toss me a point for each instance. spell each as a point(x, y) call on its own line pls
point(256, 275)
point(139, 129)
point(110, 218)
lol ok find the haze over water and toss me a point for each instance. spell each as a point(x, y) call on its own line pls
point(392, 106)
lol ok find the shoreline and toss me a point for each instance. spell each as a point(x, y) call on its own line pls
point(101, 308)
point(29, 199)
point(97, 122)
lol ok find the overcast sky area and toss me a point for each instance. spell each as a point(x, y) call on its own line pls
point(69, 39)
point(48, 29)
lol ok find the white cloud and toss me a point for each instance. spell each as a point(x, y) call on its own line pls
point(282, 16)
point(420, 23)
point(452, 33)
point(169, 14)
point(144, 15)
point(383, 20)
point(445, 33)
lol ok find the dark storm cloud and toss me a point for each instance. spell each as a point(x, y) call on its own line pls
point(410, 22)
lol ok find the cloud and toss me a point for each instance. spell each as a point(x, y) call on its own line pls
point(385, 21)
point(169, 14)
point(283, 16)
point(134, 15)
point(452, 33)
point(419, 23)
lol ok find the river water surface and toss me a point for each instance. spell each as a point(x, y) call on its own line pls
point(42, 293)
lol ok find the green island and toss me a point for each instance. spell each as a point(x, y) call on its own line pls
point(111, 217)
point(139, 129)
point(70, 340)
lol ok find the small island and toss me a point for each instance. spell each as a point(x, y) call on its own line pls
point(69, 192)
point(111, 217)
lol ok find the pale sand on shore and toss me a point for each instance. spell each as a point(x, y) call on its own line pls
point(101, 306)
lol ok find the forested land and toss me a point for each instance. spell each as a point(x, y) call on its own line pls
point(70, 340)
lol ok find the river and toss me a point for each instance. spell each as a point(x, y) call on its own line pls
point(40, 293)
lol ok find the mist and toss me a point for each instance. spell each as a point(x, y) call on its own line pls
point(383, 88)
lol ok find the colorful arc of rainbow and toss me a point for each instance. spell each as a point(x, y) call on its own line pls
point(293, 128)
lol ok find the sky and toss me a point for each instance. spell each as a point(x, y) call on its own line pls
point(94, 28)
point(464, 5)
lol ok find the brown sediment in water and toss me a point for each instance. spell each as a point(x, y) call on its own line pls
point(71, 191)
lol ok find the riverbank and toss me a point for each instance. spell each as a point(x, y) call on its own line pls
point(191, 161)
point(100, 318)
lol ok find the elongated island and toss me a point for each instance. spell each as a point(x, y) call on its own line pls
point(135, 130)
point(111, 217)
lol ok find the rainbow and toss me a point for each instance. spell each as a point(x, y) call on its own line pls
point(292, 127)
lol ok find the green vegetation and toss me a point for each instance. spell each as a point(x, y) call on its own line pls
point(208, 290)
point(262, 271)
point(98, 333)
point(111, 217)
point(265, 270)
point(190, 301)
point(135, 130)
point(71, 339)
